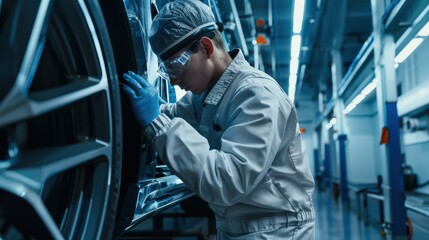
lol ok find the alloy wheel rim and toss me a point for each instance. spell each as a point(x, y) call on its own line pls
point(56, 124)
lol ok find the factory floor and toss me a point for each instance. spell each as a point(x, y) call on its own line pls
point(333, 221)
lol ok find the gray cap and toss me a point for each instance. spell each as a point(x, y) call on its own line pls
point(175, 20)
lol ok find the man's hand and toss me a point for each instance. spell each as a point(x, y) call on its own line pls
point(143, 97)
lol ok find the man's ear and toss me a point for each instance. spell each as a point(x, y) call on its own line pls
point(207, 45)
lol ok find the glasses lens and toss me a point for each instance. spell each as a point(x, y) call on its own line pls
point(174, 68)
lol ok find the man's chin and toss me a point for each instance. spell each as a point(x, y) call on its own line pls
point(196, 92)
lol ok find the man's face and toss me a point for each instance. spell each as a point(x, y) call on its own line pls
point(188, 69)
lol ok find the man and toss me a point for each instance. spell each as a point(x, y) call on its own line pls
point(233, 138)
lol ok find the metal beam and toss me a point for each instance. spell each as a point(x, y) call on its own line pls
point(238, 32)
point(393, 186)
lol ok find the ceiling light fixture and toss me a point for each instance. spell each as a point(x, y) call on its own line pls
point(424, 32)
point(412, 45)
point(298, 15)
point(361, 96)
point(295, 47)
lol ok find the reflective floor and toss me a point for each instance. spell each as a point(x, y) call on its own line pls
point(334, 221)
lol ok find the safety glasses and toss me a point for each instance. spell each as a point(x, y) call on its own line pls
point(174, 68)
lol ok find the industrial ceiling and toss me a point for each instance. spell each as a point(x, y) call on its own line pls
point(328, 27)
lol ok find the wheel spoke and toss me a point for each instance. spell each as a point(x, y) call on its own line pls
point(22, 41)
point(27, 196)
point(21, 107)
point(33, 169)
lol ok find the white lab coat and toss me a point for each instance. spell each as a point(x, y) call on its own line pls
point(240, 149)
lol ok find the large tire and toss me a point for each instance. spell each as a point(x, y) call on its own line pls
point(60, 124)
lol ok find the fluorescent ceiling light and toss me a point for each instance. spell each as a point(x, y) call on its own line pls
point(424, 32)
point(293, 67)
point(368, 89)
point(349, 108)
point(291, 94)
point(298, 15)
point(291, 91)
point(292, 87)
point(295, 46)
point(292, 80)
point(411, 46)
point(333, 121)
point(328, 125)
point(358, 98)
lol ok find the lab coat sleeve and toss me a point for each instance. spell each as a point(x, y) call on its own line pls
point(249, 145)
point(184, 108)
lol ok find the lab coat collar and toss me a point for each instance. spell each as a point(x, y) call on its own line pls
point(219, 89)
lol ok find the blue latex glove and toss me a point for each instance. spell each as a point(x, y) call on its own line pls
point(143, 97)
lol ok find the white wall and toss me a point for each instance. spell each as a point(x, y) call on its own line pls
point(306, 112)
point(362, 144)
